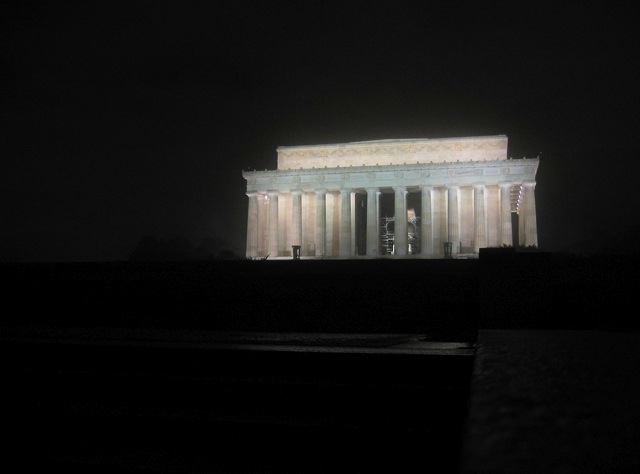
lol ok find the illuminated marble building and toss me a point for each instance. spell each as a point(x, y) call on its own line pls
point(327, 199)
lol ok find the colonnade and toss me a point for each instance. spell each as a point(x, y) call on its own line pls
point(322, 221)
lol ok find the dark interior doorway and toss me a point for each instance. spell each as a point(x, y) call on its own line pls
point(361, 223)
point(515, 228)
point(387, 204)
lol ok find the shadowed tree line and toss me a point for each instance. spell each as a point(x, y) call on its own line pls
point(153, 249)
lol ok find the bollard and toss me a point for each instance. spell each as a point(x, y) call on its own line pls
point(448, 247)
point(296, 252)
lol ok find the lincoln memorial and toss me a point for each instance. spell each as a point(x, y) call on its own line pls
point(424, 198)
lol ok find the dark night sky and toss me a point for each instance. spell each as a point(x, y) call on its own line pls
point(121, 120)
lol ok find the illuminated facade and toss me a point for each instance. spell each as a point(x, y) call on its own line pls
point(327, 199)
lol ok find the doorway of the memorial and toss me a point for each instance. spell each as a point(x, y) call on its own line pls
point(414, 213)
point(361, 223)
point(386, 222)
point(515, 229)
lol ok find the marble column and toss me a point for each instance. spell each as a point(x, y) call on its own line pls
point(296, 217)
point(321, 221)
point(252, 226)
point(492, 212)
point(520, 213)
point(453, 221)
point(426, 223)
point(479, 217)
point(505, 214)
point(530, 222)
point(332, 240)
point(401, 238)
point(373, 222)
point(273, 223)
point(345, 222)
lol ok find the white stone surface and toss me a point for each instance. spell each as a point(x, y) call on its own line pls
point(480, 231)
point(373, 222)
point(400, 242)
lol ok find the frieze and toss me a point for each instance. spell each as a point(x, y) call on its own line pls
point(469, 172)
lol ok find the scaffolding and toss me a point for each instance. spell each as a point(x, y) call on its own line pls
point(387, 229)
point(386, 235)
point(413, 226)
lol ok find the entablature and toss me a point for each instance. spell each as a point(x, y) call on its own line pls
point(465, 173)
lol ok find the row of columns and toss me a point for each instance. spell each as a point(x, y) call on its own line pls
point(431, 219)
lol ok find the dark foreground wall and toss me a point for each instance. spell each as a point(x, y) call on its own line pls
point(539, 290)
point(442, 298)
point(411, 296)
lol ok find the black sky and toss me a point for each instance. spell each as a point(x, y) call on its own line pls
point(121, 120)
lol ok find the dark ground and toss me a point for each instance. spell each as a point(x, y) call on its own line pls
point(193, 410)
point(84, 401)
point(554, 401)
